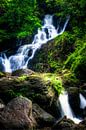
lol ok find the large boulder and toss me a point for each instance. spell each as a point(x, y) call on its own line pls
point(43, 118)
point(17, 114)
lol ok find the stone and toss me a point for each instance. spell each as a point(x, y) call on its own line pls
point(17, 114)
point(83, 122)
point(63, 124)
point(32, 87)
point(43, 118)
point(2, 105)
point(81, 125)
point(21, 72)
point(74, 100)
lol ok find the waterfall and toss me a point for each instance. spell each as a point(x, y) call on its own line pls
point(20, 59)
point(66, 109)
point(5, 63)
point(82, 101)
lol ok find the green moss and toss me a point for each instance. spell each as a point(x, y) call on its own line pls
point(50, 80)
point(2, 74)
point(54, 81)
point(77, 61)
point(22, 78)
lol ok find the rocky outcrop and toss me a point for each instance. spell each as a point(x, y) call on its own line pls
point(63, 124)
point(21, 72)
point(43, 118)
point(33, 87)
point(67, 124)
point(44, 114)
point(17, 114)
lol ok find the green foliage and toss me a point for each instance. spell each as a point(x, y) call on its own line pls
point(18, 18)
point(15, 93)
point(22, 78)
point(53, 81)
point(57, 84)
point(69, 79)
point(63, 45)
point(77, 61)
point(2, 74)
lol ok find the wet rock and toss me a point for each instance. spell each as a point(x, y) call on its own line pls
point(17, 114)
point(63, 124)
point(2, 105)
point(83, 122)
point(83, 86)
point(74, 100)
point(4, 74)
point(84, 112)
point(81, 125)
point(33, 87)
point(21, 72)
point(43, 118)
point(1, 65)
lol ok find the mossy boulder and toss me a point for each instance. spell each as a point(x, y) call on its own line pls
point(44, 91)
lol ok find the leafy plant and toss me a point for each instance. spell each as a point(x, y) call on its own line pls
point(54, 81)
point(77, 61)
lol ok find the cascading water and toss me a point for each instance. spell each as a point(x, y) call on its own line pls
point(5, 63)
point(20, 59)
point(82, 101)
point(66, 109)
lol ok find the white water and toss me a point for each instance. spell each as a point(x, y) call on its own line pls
point(66, 109)
point(82, 101)
point(21, 58)
point(5, 63)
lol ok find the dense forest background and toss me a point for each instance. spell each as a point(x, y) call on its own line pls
point(19, 20)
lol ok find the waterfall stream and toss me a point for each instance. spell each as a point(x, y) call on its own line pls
point(82, 101)
point(66, 109)
point(20, 59)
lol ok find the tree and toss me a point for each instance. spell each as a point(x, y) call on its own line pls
point(18, 18)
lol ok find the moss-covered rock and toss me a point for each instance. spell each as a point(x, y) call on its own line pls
point(40, 88)
point(64, 124)
point(22, 72)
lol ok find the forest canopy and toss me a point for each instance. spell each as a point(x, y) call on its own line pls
point(21, 18)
